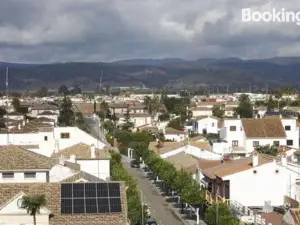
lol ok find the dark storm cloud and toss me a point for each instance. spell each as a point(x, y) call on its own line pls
point(105, 30)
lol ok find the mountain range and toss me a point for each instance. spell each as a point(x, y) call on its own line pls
point(158, 73)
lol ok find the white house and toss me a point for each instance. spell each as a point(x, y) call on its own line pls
point(48, 114)
point(244, 135)
point(248, 182)
point(91, 159)
point(206, 125)
point(174, 135)
point(38, 109)
point(201, 111)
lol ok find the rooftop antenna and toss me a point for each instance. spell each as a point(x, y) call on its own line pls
point(100, 82)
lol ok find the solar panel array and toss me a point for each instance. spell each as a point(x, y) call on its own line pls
point(90, 198)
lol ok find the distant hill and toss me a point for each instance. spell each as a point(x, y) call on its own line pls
point(176, 73)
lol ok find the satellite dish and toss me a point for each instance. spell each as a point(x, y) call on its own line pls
point(19, 203)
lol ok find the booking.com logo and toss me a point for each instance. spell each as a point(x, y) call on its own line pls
point(275, 16)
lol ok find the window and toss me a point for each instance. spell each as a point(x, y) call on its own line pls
point(64, 135)
point(255, 143)
point(289, 142)
point(29, 175)
point(45, 138)
point(213, 124)
point(8, 175)
point(276, 143)
point(235, 143)
point(232, 128)
point(287, 127)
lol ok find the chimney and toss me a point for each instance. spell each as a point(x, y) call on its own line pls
point(56, 147)
point(283, 159)
point(73, 158)
point(24, 122)
point(255, 159)
point(19, 126)
point(93, 151)
point(61, 160)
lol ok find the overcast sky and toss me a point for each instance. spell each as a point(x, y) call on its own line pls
point(107, 30)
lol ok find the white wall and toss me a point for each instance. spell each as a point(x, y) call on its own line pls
point(97, 168)
point(210, 124)
point(174, 152)
point(59, 172)
point(293, 134)
point(19, 177)
point(197, 152)
point(230, 136)
point(175, 137)
point(221, 148)
point(207, 112)
point(262, 141)
point(251, 189)
point(140, 121)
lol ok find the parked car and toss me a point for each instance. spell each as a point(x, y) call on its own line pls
point(135, 164)
point(151, 221)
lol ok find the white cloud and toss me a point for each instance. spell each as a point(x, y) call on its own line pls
point(66, 30)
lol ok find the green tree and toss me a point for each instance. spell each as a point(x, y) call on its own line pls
point(79, 121)
point(33, 204)
point(63, 90)
point(16, 104)
point(176, 124)
point(271, 104)
point(2, 112)
point(217, 111)
point(42, 92)
point(128, 124)
point(278, 96)
point(267, 149)
point(152, 104)
point(118, 172)
point(66, 114)
point(220, 214)
point(245, 107)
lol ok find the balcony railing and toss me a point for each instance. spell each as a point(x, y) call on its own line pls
point(215, 199)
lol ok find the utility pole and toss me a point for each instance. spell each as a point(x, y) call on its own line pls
point(6, 92)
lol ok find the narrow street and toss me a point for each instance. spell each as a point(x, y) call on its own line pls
point(158, 206)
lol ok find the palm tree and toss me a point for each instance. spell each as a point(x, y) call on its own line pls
point(278, 96)
point(33, 204)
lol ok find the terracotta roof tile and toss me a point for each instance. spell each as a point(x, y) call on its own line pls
point(82, 151)
point(170, 130)
point(263, 128)
point(17, 158)
point(235, 166)
point(183, 161)
point(273, 218)
point(202, 145)
point(82, 175)
point(52, 192)
point(166, 147)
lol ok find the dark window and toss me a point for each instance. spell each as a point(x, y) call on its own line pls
point(255, 143)
point(45, 138)
point(276, 143)
point(287, 127)
point(64, 135)
point(232, 128)
point(66, 191)
point(90, 190)
point(289, 142)
point(29, 175)
point(8, 175)
point(235, 143)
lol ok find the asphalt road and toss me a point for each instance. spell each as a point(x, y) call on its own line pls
point(158, 206)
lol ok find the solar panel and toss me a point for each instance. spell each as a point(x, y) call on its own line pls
point(66, 191)
point(90, 198)
point(114, 189)
point(78, 190)
point(102, 190)
point(115, 205)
